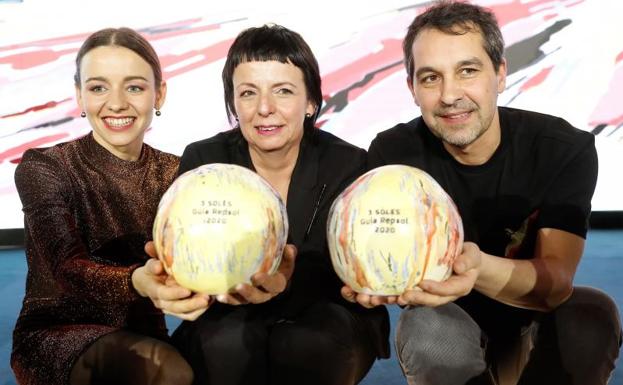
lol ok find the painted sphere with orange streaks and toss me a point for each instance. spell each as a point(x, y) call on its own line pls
point(391, 228)
point(217, 225)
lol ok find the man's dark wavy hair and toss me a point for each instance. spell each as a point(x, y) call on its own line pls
point(456, 17)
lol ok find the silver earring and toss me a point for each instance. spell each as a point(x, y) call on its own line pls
point(308, 115)
point(158, 113)
point(83, 114)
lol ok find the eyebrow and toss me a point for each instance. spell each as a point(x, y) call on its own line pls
point(471, 62)
point(126, 79)
point(249, 84)
point(474, 61)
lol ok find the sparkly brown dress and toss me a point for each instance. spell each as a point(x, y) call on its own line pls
point(87, 217)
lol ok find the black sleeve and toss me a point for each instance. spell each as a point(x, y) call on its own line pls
point(567, 204)
point(212, 150)
point(191, 158)
point(360, 163)
point(375, 159)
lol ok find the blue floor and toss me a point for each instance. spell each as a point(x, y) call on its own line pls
point(601, 267)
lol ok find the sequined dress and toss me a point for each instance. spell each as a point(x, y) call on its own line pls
point(87, 216)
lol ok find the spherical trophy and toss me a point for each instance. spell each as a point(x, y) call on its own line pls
point(391, 228)
point(217, 225)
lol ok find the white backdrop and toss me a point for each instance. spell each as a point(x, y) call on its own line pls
point(566, 59)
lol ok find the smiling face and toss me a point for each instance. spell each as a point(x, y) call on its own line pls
point(118, 93)
point(456, 86)
point(271, 101)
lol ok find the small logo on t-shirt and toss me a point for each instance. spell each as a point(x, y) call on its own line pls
point(522, 237)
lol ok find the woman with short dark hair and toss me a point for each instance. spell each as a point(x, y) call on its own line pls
point(307, 334)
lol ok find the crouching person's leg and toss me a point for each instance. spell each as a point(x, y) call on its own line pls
point(577, 343)
point(440, 346)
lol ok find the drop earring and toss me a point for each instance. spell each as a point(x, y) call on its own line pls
point(158, 113)
point(83, 114)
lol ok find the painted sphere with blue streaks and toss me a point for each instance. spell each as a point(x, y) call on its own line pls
point(217, 225)
point(391, 228)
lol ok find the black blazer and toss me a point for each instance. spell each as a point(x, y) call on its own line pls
point(325, 166)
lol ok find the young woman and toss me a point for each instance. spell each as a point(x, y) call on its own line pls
point(88, 208)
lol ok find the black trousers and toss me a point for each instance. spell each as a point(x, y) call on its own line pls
point(324, 344)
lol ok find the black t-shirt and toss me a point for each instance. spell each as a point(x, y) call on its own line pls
point(542, 174)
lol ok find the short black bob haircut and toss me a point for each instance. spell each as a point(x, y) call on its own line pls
point(273, 42)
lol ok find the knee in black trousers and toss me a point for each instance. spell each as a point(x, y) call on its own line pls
point(227, 345)
point(234, 345)
point(326, 345)
point(577, 343)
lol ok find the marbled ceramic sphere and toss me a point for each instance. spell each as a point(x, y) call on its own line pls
point(217, 225)
point(391, 228)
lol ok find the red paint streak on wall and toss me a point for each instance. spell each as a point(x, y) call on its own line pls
point(549, 16)
point(572, 4)
point(178, 32)
point(537, 79)
point(47, 42)
point(46, 55)
point(40, 107)
point(82, 36)
point(19, 150)
point(608, 109)
point(616, 121)
point(173, 25)
point(22, 61)
point(506, 13)
point(355, 71)
point(210, 54)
